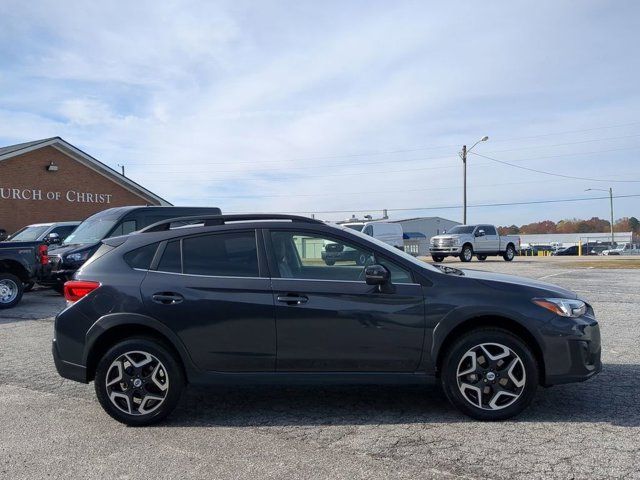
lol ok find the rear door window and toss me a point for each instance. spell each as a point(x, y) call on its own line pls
point(232, 254)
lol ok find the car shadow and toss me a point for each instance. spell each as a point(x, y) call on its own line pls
point(611, 397)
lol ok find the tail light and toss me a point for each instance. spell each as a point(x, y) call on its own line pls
point(43, 253)
point(74, 290)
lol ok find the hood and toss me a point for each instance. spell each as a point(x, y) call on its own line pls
point(65, 249)
point(445, 236)
point(10, 244)
point(502, 281)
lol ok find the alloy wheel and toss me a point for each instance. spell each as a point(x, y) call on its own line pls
point(8, 290)
point(491, 376)
point(137, 383)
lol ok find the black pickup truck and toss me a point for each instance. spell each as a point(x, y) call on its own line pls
point(21, 264)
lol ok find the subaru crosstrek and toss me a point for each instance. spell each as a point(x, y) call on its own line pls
point(248, 299)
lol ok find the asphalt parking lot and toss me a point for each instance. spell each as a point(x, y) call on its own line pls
point(52, 428)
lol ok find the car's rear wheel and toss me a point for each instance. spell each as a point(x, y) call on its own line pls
point(466, 255)
point(11, 289)
point(489, 374)
point(58, 287)
point(138, 381)
point(481, 258)
point(437, 258)
point(330, 262)
point(510, 253)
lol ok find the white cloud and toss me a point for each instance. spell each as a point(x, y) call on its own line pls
point(203, 99)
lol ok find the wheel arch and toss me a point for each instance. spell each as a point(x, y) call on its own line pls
point(111, 329)
point(16, 268)
point(487, 321)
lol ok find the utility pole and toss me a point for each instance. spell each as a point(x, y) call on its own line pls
point(463, 155)
point(611, 202)
point(464, 182)
point(610, 205)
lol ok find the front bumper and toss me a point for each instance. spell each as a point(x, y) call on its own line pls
point(444, 250)
point(56, 277)
point(66, 369)
point(574, 358)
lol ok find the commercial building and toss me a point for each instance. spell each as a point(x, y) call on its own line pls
point(51, 180)
point(570, 239)
point(419, 230)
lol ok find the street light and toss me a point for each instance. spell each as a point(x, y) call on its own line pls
point(611, 202)
point(463, 154)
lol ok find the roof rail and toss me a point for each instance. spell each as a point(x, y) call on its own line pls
point(211, 220)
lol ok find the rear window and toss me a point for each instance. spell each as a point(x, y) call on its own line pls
point(141, 257)
point(171, 258)
point(231, 254)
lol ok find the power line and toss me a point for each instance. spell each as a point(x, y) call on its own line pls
point(417, 149)
point(448, 207)
point(552, 173)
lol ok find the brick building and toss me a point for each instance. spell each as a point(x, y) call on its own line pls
point(51, 180)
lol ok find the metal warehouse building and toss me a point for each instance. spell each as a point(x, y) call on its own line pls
point(51, 180)
point(419, 230)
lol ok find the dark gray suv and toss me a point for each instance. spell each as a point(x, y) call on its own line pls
point(248, 299)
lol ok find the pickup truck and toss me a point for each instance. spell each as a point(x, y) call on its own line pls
point(21, 265)
point(465, 241)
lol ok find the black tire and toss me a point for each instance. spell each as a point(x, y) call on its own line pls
point(174, 378)
point(509, 253)
point(330, 262)
point(437, 258)
point(59, 288)
point(28, 286)
point(481, 258)
point(526, 370)
point(466, 254)
point(11, 290)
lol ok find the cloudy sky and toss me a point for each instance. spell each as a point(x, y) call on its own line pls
point(355, 106)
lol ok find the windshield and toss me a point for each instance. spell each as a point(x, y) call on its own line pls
point(92, 230)
point(29, 234)
point(394, 251)
point(355, 227)
point(462, 229)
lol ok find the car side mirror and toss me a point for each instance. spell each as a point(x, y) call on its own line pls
point(480, 233)
point(377, 275)
point(52, 238)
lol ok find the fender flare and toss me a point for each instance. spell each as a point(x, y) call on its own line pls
point(107, 322)
point(459, 316)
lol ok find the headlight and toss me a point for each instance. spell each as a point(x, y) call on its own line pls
point(564, 307)
point(456, 241)
point(77, 257)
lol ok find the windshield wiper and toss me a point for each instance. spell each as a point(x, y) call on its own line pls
point(449, 270)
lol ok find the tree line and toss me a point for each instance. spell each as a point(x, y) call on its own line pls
point(574, 225)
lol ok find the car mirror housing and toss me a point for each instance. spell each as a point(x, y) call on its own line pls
point(377, 275)
point(52, 238)
point(480, 233)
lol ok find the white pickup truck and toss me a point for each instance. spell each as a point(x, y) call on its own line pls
point(465, 241)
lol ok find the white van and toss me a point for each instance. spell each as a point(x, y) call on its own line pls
point(387, 232)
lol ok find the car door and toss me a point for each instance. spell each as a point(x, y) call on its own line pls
point(212, 290)
point(492, 240)
point(329, 320)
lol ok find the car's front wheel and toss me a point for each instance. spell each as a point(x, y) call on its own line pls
point(466, 255)
point(437, 258)
point(489, 374)
point(138, 381)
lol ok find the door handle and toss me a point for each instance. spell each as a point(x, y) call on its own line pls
point(167, 298)
point(293, 299)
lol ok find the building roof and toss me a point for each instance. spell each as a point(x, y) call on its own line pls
point(85, 159)
point(422, 218)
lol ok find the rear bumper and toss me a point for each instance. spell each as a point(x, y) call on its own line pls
point(66, 369)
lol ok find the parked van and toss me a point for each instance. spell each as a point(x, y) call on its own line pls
point(85, 240)
point(387, 232)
